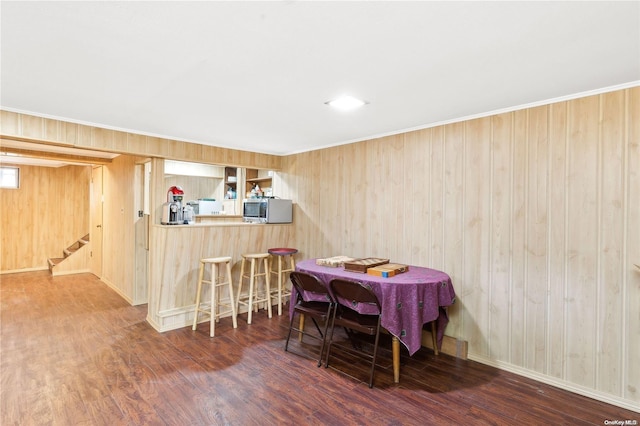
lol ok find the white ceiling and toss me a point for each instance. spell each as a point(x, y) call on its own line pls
point(256, 75)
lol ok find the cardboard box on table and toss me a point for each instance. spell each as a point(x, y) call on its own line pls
point(388, 270)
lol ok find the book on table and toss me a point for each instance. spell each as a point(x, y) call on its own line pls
point(334, 262)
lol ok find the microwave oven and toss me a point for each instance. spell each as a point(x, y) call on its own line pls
point(267, 210)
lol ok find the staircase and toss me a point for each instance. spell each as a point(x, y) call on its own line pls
point(76, 259)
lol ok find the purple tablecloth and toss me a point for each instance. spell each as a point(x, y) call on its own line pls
point(409, 300)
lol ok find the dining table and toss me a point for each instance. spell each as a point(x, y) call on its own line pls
point(408, 300)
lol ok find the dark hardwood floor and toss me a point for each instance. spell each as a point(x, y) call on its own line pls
point(74, 353)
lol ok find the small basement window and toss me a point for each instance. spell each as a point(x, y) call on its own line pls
point(9, 177)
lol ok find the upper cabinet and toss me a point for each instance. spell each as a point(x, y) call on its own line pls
point(231, 176)
point(258, 183)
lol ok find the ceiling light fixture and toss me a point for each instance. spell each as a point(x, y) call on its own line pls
point(346, 103)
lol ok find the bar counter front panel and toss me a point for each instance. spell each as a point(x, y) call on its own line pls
point(174, 259)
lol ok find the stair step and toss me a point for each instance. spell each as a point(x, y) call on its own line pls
point(53, 261)
point(73, 247)
point(69, 251)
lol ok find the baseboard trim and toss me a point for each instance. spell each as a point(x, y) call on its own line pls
point(17, 271)
point(450, 345)
point(78, 271)
point(153, 324)
point(117, 290)
point(562, 384)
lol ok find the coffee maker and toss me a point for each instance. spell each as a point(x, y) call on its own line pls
point(172, 209)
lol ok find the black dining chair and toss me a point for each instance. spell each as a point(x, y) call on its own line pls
point(313, 300)
point(348, 296)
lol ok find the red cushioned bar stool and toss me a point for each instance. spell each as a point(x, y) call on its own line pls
point(284, 255)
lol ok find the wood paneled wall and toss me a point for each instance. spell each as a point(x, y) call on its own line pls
point(535, 214)
point(120, 215)
point(48, 213)
point(44, 130)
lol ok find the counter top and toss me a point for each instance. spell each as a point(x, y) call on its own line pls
point(218, 216)
point(218, 223)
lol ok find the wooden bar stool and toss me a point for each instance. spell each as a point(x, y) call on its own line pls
point(255, 296)
point(216, 282)
point(281, 271)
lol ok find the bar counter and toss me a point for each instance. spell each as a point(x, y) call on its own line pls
point(176, 254)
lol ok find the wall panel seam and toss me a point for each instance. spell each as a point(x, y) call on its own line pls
point(547, 343)
point(430, 201)
point(512, 160)
point(565, 306)
point(491, 264)
point(598, 286)
point(625, 240)
point(527, 250)
point(463, 207)
point(443, 148)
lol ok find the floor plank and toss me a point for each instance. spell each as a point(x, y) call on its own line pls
point(73, 352)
